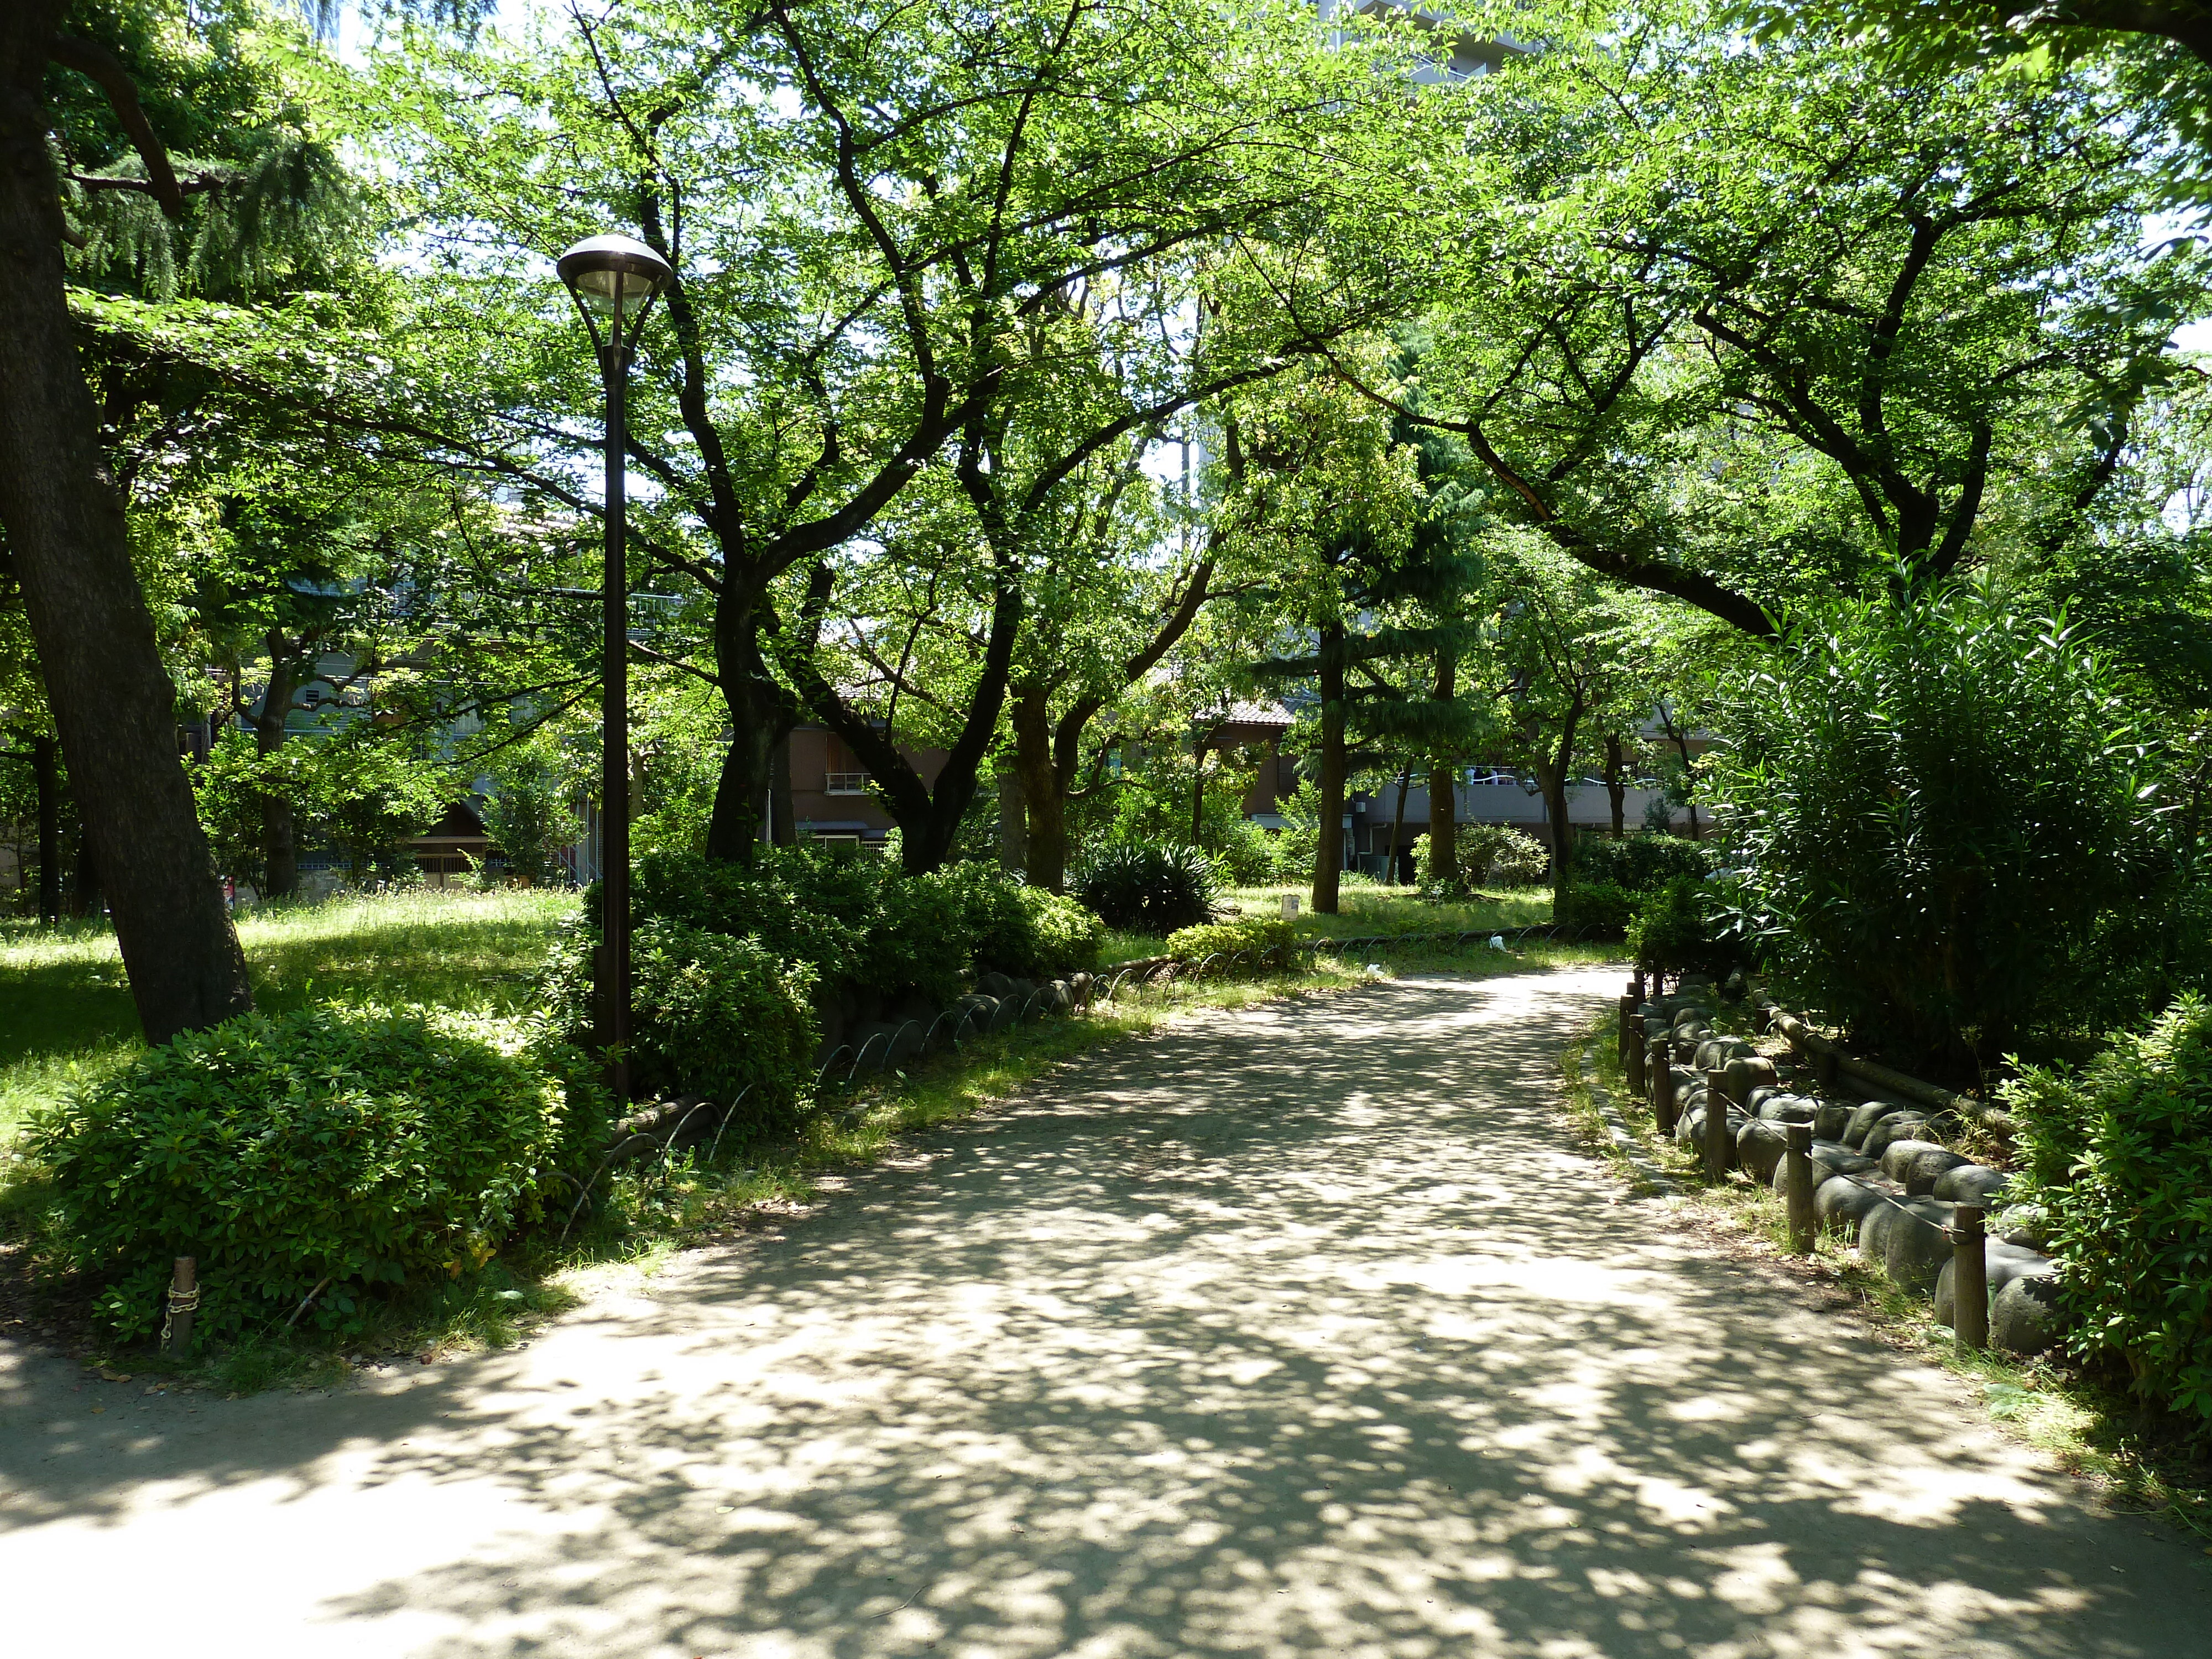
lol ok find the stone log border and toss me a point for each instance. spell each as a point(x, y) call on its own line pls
point(1862, 1151)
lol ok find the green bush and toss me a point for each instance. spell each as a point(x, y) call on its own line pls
point(1499, 855)
point(1641, 863)
point(1937, 805)
point(1677, 930)
point(1070, 939)
point(2120, 1158)
point(1598, 909)
point(1261, 933)
point(722, 1017)
point(1144, 889)
point(357, 1148)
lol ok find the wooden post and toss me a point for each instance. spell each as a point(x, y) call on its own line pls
point(1969, 1279)
point(1717, 1146)
point(1659, 1068)
point(1636, 988)
point(1632, 1051)
point(184, 1297)
point(1629, 1004)
point(1797, 1188)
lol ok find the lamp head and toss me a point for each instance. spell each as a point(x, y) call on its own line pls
point(605, 272)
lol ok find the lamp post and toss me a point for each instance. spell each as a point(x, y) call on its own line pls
point(614, 280)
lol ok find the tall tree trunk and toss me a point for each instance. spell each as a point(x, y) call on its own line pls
point(1398, 826)
point(280, 847)
point(47, 776)
point(1013, 821)
point(112, 702)
point(1328, 853)
point(1444, 788)
point(760, 718)
point(1044, 789)
point(1616, 787)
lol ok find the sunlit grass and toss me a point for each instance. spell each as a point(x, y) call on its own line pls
point(1364, 909)
point(65, 1007)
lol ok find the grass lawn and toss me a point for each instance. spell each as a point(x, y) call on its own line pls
point(1364, 909)
point(65, 1007)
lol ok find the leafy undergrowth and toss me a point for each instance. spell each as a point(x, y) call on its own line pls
point(2083, 1418)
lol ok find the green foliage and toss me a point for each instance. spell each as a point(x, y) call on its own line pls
point(722, 1017)
point(358, 793)
point(1936, 804)
point(1598, 909)
point(358, 1147)
point(2120, 1158)
point(1641, 863)
point(1257, 934)
point(1139, 888)
point(1676, 930)
point(528, 814)
point(1499, 855)
point(1297, 843)
point(1021, 931)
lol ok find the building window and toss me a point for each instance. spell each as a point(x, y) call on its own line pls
point(845, 783)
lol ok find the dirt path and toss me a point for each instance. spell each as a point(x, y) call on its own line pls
point(1305, 1332)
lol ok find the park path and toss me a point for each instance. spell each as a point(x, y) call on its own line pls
point(1305, 1331)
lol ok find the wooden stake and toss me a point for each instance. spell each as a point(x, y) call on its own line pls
point(184, 1298)
point(1970, 1278)
point(1718, 1147)
point(1797, 1188)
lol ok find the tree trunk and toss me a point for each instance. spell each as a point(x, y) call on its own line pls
point(760, 721)
point(1044, 790)
point(280, 847)
point(1616, 789)
point(1443, 827)
point(1013, 821)
point(1443, 790)
point(1328, 853)
point(46, 776)
point(112, 702)
point(1397, 826)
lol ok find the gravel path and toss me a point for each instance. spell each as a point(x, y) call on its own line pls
point(1305, 1332)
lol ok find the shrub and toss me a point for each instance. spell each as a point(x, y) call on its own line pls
point(528, 816)
point(353, 1147)
point(1144, 889)
point(1641, 863)
point(1937, 805)
point(1248, 854)
point(1021, 931)
point(1499, 855)
point(723, 1017)
point(1598, 909)
point(1258, 934)
point(1070, 939)
point(1676, 931)
point(2120, 1158)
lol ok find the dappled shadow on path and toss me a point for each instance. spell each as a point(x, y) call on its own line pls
point(1302, 1333)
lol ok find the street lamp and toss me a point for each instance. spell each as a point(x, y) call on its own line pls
point(615, 280)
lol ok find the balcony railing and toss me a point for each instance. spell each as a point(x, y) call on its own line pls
point(845, 783)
